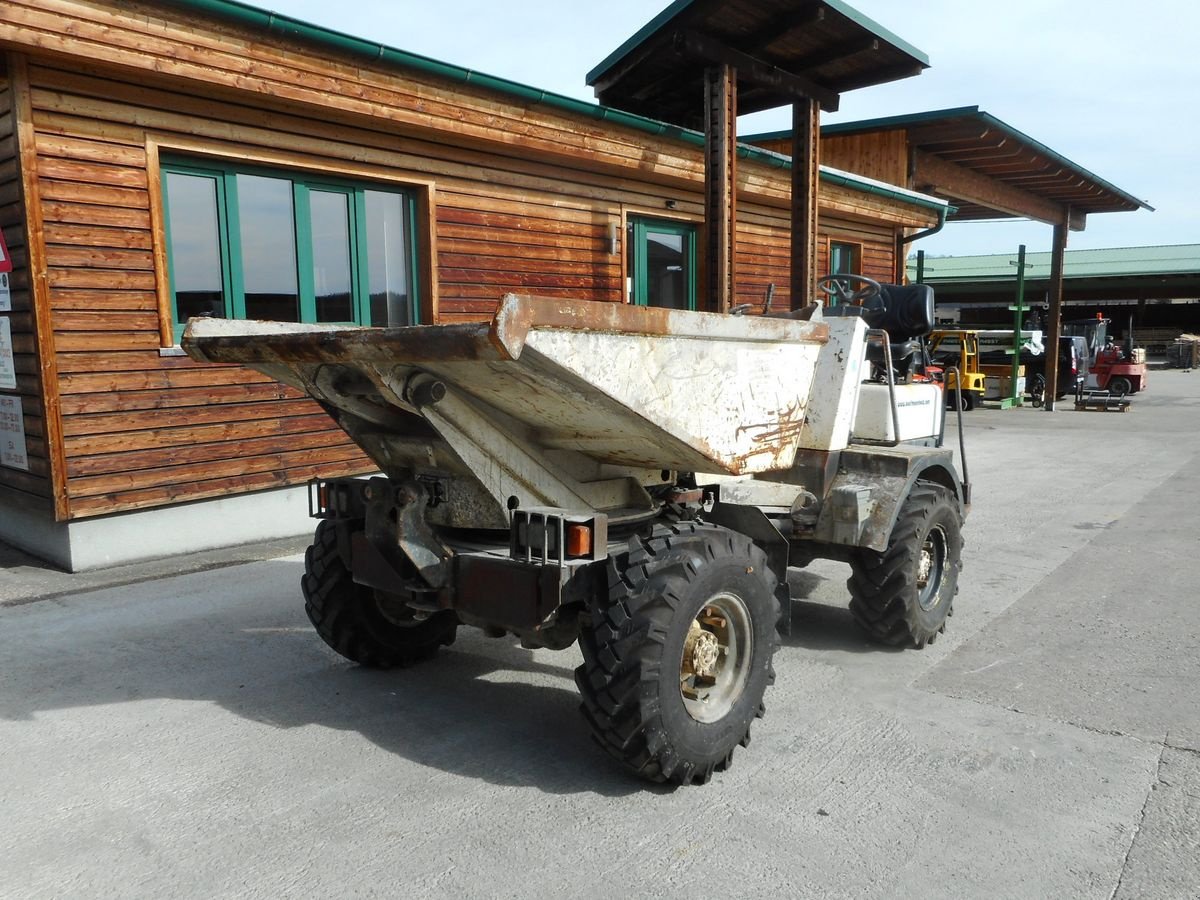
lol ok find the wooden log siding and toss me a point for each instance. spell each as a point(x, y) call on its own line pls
point(524, 199)
point(34, 486)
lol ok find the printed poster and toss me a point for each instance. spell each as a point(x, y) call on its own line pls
point(8, 368)
point(12, 434)
point(5, 293)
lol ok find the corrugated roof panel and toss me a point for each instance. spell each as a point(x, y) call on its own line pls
point(1173, 259)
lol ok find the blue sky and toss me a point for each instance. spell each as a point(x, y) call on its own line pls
point(1112, 86)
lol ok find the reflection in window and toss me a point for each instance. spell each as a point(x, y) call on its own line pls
point(330, 215)
point(665, 272)
point(287, 247)
point(268, 232)
point(388, 252)
point(661, 259)
point(195, 246)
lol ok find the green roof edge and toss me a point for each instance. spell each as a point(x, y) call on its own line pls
point(680, 5)
point(902, 121)
point(246, 14)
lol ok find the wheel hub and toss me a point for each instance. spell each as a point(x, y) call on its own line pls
point(716, 657)
point(701, 653)
point(931, 565)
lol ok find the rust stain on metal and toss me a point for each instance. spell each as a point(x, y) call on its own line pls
point(519, 313)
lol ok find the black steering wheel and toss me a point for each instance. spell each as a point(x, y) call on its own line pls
point(841, 288)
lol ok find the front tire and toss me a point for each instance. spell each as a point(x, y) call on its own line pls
point(903, 596)
point(677, 655)
point(354, 620)
point(1120, 386)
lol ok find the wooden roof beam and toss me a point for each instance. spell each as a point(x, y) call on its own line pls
point(797, 87)
point(779, 28)
point(947, 178)
point(879, 76)
point(837, 52)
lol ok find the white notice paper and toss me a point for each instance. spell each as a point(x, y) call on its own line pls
point(5, 293)
point(8, 368)
point(12, 434)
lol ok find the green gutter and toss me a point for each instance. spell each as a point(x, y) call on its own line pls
point(286, 26)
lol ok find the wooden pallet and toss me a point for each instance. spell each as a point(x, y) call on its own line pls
point(1101, 401)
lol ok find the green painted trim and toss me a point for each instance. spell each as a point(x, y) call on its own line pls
point(885, 122)
point(846, 179)
point(878, 30)
point(658, 22)
point(233, 224)
point(176, 326)
point(636, 39)
point(229, 235)
point(306, 278)
point(243, 14)
point(223, 245)
point(414, 271)
point(641, 256)
point(362, 268)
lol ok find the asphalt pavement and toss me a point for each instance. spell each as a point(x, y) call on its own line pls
point(177, 729)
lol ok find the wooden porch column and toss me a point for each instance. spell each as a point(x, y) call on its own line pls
point(720, 186)
point(806, 162)
point(1054, 326)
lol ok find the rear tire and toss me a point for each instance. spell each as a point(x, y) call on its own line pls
point(903, 596)
point(355, 621)
point(1120, 386)
point(677, 654)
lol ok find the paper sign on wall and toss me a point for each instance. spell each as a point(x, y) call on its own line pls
point(8, 369)
point(5, 293)
point(12, 434)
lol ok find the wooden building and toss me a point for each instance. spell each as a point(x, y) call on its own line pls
point(201, 157)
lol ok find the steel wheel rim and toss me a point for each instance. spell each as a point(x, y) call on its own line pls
point(931, 566)
point(715, 664)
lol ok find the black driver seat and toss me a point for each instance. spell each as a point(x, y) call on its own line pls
point(905, 312)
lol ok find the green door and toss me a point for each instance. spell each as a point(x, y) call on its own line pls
point(662, 263)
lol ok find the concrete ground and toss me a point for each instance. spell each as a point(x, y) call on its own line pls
point(182, 732)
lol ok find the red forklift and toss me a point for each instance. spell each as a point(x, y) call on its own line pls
point(1120, 370)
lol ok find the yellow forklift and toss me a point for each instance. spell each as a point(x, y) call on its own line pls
point(957, 350)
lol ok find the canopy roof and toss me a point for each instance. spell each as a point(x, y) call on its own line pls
point(976, 141)
point(782, 49)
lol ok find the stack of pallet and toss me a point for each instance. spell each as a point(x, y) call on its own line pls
point(1185, 352)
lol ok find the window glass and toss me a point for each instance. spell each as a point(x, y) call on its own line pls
point(387, 249)
point(268, 232)
point(666, 277)
point(290, 247)
point(195, 246)
point(662, 264)
point(332, 285)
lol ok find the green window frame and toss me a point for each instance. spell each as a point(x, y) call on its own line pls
point(644, 289)
point(845, 258)
point(229, 244)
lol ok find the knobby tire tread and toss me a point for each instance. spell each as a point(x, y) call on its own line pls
point(341, 612)
point(618, 680)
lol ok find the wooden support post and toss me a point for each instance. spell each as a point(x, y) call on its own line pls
point(720, 185)
point(1054, 326)
point(806, 162)
point(805, 175)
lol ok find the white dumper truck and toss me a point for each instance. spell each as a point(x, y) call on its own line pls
point(638, 480)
